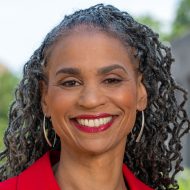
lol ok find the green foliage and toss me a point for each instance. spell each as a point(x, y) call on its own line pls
point(184, 180)
point(180, 26)
point(151, 22)
point(3, 125)
point(7, 84)
point(181, 23)
point(155, 25)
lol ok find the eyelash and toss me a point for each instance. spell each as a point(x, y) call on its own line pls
point(69, 83)
point(72, 83)
point(113, 81)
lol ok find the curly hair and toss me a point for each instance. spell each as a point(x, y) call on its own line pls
point(156, 158)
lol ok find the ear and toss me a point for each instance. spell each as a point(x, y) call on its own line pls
point(44, 98)
point(142, 94)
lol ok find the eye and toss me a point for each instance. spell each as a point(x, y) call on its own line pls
point(70, 83)
point(112, 81)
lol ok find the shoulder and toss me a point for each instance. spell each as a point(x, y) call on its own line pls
point(37, 176)
point(24, 178)
point(9, 184)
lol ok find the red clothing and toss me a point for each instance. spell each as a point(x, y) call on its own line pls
point(39, 176)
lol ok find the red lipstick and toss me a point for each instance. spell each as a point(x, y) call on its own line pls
point(96, 116)
point(87, 129)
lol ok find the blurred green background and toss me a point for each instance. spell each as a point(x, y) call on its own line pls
point(180, 27)
point(8, 82)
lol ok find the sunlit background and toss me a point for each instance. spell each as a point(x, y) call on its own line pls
point(24, 24)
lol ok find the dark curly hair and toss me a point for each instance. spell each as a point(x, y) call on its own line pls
point(156, 158)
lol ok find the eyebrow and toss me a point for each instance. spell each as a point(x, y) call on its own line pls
point(69, 70)
point(110, 68)
point(101, 71)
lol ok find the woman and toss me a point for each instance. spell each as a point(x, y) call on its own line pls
point(96, 109)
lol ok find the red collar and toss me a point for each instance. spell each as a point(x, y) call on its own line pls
point(133, 182)
point(40, 175)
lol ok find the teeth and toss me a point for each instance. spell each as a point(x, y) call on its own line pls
point(91, 123)
point(86, 122)
point(94, 122)
point(101, 121)
point(82, 121)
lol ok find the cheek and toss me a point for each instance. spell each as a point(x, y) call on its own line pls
point(60, 104)
point(60, 101)
point(126, 97)
point(126, 100)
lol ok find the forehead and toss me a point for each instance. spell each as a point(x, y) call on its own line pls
point(88, 40)
point(84, 44)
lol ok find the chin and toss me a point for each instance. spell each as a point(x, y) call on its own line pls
point(97, 147)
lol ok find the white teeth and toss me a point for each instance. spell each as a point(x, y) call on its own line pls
point(82, 121)
point(94, 122)
point(91, 123)
point(86, 122)
point(101, 121)
point(106, 120)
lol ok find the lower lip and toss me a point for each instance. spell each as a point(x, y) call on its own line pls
point(93, 129)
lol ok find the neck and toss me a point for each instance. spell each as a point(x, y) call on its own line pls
point(95, 172)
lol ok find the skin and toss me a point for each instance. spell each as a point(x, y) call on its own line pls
point(87, 159)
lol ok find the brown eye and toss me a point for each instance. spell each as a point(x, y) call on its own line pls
point(112, 81)
point(70, 83)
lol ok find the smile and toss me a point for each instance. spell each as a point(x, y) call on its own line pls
point(93, 124)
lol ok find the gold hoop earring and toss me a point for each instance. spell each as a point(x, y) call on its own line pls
point(142, 128)
point(46, 135)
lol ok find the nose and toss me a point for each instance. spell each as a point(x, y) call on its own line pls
point(91, 97)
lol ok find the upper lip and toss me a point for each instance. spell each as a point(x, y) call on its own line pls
point(94, 116)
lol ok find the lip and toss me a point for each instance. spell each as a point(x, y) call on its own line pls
point(95, 116)
point(93, 129)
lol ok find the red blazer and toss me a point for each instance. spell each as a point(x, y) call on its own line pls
point(39, 176)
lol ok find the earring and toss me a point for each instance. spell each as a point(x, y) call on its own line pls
point(142, 128)
point(46, 135)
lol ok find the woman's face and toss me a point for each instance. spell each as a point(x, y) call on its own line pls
point(94, 92)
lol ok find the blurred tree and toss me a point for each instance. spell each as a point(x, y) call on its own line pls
point(181, 24)
point(155, 25)
point(183, 179)
point(8, 82)
point(151, 22)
